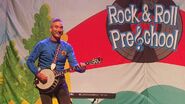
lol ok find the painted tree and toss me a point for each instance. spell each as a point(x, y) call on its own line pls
point(40, 29)
point(16, 81)
point(16, 85)
point(1, 82)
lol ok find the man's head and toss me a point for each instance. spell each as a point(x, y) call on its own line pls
point(56, 28)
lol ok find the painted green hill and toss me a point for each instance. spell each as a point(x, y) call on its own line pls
point(161, 94)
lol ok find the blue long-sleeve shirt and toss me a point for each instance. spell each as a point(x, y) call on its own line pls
point(45, 50)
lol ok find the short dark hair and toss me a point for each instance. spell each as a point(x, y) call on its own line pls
point(56, 20)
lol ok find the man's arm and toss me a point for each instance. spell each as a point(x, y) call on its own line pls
point(33, 57)
point(73, 62)
point(31, 63)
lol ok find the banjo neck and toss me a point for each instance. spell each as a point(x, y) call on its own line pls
point(91, 62)
point(53, 75)
point(57, 73)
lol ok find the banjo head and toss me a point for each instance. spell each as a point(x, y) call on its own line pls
point(50, 79)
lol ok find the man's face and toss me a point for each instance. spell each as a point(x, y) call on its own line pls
point(56, 29)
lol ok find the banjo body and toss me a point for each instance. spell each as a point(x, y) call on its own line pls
point(52, 81)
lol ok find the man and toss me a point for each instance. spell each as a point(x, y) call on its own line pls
point(45, 51)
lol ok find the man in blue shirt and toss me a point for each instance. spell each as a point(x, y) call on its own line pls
point(45, 51)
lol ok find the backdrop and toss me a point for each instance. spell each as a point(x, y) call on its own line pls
point(146, 73)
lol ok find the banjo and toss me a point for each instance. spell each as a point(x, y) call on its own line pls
point(53, 76)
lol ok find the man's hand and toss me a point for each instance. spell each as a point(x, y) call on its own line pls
point(42, 77)
point(82, 67)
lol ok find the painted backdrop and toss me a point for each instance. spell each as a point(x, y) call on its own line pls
point(141, 43)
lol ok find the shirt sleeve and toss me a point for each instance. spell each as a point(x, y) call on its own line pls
point(72, 60)
point(71, 57)
point(33, 57)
